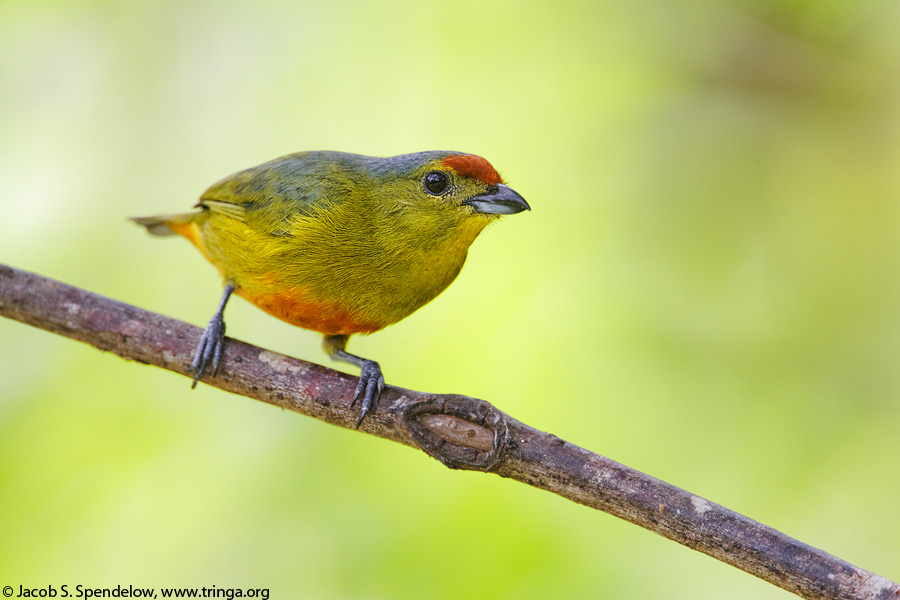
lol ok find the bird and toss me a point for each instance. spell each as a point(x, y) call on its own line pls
point(340, 243)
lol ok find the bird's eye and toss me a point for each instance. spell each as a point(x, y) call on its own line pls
point(436, 182)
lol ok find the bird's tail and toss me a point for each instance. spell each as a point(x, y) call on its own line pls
point(162, 225)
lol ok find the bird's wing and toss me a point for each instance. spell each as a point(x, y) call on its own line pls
point(224, 207)
point(268, 196)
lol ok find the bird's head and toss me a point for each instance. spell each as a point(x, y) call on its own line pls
point(450, 186)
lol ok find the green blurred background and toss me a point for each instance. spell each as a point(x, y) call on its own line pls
point(707, 288)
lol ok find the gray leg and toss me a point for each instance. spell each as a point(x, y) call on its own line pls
point(371, 381)
point(209, 350)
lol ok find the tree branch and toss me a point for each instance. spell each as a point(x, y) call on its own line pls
point(461, 432)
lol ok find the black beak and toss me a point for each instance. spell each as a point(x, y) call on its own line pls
point(499, 200)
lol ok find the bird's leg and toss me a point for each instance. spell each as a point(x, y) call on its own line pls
point(371, 381)
point(209, 350)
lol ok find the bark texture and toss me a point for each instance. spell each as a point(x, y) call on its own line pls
point(461, 432)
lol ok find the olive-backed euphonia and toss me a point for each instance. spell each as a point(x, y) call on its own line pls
point(340, 243)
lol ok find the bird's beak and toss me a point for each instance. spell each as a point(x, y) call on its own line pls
point(499, 200)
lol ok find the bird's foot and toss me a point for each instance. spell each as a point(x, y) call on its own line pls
point(371, 382)
point(209, 350)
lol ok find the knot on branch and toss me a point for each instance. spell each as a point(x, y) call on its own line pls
point(461, 432)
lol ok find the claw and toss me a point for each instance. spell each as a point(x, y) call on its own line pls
point(371, 381)
point(209, 349)
point(368, 391)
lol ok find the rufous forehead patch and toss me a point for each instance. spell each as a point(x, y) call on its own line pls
point(471, 165)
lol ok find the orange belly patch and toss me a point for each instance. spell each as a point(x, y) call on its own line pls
point(188, 230)
point(298, 308)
